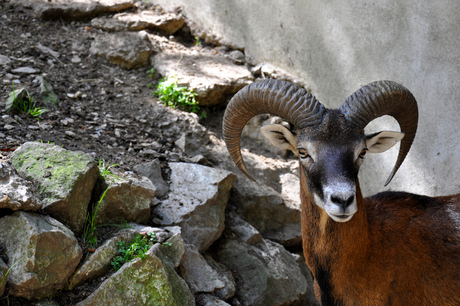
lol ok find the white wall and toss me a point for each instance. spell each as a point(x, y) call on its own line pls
point(337, 46)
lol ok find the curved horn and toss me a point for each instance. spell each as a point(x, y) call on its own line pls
point(384, 98)
point(275, 97)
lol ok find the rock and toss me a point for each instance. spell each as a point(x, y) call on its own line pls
point(211, 76)
point(151, 281)
point(3, 276)
point(265, 209)
point(4, 60)
point(82, 9)
point(266, 274)
point(174, 249)
point(152, 170)
point(98, 263)
point(168, 23)
point(128, 50)
point(237, 57)
point(17, 95)
point(126, 199)
point(42, 252)
point(65, 179)
point(196, 202)
point(15, 192)
point(243, 230)
point(199, 276)
point(226, 276)
point(47, 94)
point(24, 70)
point(209, 300)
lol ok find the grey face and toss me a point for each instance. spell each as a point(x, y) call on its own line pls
point(331, 155)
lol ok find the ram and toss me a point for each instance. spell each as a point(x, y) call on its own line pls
point(393, 248)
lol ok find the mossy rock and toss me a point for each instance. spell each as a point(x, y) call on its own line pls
point(65, 179)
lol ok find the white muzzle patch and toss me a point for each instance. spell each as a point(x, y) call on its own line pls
point(339, 212)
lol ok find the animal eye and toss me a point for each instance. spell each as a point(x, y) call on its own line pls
point(303, 153)
point(363, 153)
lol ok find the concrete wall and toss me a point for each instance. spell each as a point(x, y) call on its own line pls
point(337, 46)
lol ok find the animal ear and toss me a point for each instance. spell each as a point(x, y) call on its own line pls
point(280, 137)
point(382, 141)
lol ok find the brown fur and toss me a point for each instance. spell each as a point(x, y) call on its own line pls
point(398, 249)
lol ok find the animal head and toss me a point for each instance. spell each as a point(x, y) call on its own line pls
point(330, 143)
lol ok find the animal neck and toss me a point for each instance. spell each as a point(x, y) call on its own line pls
point(327, 242)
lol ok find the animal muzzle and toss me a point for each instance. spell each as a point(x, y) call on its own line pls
point(340, 201)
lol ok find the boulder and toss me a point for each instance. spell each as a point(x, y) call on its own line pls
point(169, 23)
point(42, 253)
point(148, 281)
point(126, 199)
point(174, 249)
point(3, 276)
point(152, 170)
point(47, 94)
point(211, 76)
point(196, 203)
point(265, 209)
point(198, 274)
point(65, 179)
point(266, 273)
point(98, 263)
point(16, 193)
point(18, 94)
point(127, 49)
point(209, 300)
point(226, 276)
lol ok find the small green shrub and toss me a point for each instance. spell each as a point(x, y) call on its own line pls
point(136, 249)
point(27, 105)
point(175, 96)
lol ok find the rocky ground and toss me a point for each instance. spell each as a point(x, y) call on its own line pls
point(106, 107)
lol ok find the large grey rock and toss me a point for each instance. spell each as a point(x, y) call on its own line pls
point(226, 276)
point(127, 49)
point(151, 281)
point(16, 193)
point(168, 23)
point(198, 274)
point(209, 300)
point(83, 9)
point(15, 95)
point(265, 209)
point(98, 263)
point(211, 76)
point(267, 273)
point(42, 252)
point(3, 276)
point(65, 179)
point(126, 199)
point(175, 248)
point(243, 230)
point(196, 202)
point(152, 170)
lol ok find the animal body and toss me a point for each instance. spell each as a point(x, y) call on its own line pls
point(393, 248)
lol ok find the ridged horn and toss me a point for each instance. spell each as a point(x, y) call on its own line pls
point(269, 96)
point(384, 98)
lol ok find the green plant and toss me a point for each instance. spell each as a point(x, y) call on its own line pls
point(136, 249)
point(4, 279)
point(197, 41)
point(89, 231)
point(151, 74)
point(176, 96)
point(26, 105)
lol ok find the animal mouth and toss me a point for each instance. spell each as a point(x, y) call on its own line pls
point(341, 217)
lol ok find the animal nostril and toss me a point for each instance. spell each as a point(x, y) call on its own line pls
point(341, 201)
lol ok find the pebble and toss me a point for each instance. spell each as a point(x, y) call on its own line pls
point(2, 135)
point(4, 60)
point(24, 70)
point(75, 59)
point(70, 133)
point(76, 95)
point(8, 127)
point(33, 127)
